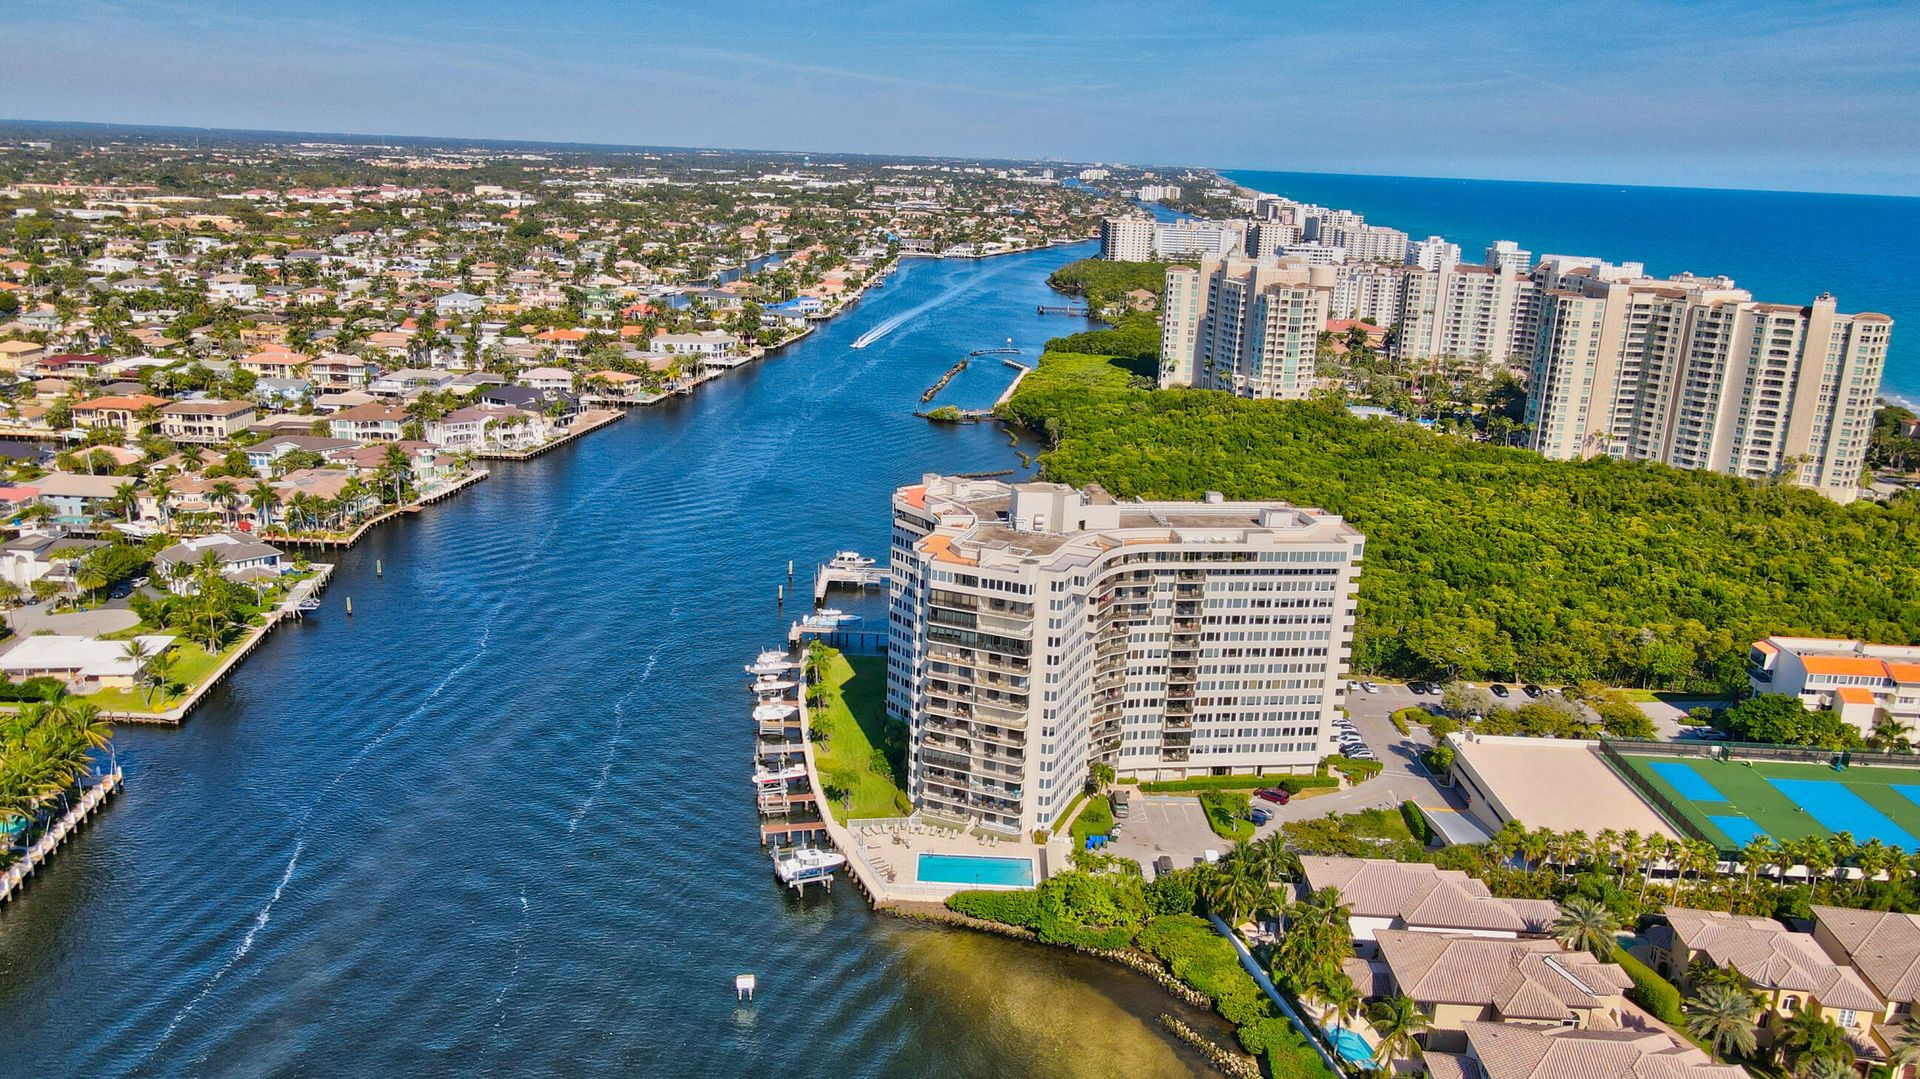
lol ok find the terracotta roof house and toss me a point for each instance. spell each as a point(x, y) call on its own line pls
point(1459, 979)
point(117, 412)
point(368, 423)
point(1883, 948)
point(1790, 971)
point(206, 421)
point(1382, 894)
point(1512, 1051)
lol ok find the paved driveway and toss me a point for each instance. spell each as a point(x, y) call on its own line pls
point(29, 620)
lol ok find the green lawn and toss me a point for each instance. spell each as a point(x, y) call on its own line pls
point(856, 719)
point(1095, 819)
point(191, 663)
point(1747, 793)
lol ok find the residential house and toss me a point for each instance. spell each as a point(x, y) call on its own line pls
point(488, 425)
point(34, 555)
point(1458, 979)
point(231, 288)
point(274, 363)
point(206, 422)
point(240, 557)
point(459, 303)
point(369, 423)
point(119, 413)
point(1419, 896)
point(77, 498)
point(340, 400)
point(548, 378)
point(410, 382)
point(338, 371)
point(85, 664)
point(1516, 1051)
point(1883, 948)
point(1790, 972)
point(705, 344)
point(262, 455)
point(16, 356)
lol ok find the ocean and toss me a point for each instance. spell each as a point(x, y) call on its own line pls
point(1783, 246)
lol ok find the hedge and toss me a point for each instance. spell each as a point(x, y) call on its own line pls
point(1360, 770)
point(1417, 822)
point(1290, 783)
point(1652, 992)
point(1008, 908)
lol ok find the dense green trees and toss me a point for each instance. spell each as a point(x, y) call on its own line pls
point(1497, 562)
point(1779, 718)
point(45, 749)
point(1106, 284)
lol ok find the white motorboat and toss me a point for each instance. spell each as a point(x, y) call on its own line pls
point(773, 712)
point(832, 616)
point(772, 661)
point(804, 865)
point(765, 776)
point(849, 560)
point(773, 685)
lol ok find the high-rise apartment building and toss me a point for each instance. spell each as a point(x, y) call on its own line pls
point(1368, 291)
point(1507, 257)
point(1692, 372)
point(1465, 313)
point(1036, 630)
point(1369, 243)
point(1433, 253)
point(1250, 327)
point(1127, 239)
point(1198, 239)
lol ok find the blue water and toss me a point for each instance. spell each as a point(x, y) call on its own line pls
point(1840, 810)
point(970, 869)
point(1686, 781)
point(498, 823)
point(1786, 247)
point(1351, 1046)
point(1738, 829)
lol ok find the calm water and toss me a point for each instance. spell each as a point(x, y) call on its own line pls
point(498, 823)
point(1786, 247)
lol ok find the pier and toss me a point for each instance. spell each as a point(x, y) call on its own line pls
point(15, 877)
point(857, 578)
point(1054, 309)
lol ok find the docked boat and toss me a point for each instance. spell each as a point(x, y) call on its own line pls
point(849, 560)
point(773, 685)
point(765, 776)
point(772, 661)
point(804, 865)
point(307, 606)
point(832, 616)
point(773, 712)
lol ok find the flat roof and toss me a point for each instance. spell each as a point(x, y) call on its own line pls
point(1556, 783)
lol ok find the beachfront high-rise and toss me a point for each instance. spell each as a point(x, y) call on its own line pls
point(1250, 327)
point(1036, 629)
point(1693, 373)
point(1127, 239)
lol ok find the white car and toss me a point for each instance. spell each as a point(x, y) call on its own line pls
point(1370, 687)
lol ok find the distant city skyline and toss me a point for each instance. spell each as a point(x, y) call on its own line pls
point(1725, 94)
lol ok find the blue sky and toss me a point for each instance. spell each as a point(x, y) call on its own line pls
point(1805, 95)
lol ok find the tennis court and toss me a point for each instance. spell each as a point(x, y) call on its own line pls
point(1732, 801)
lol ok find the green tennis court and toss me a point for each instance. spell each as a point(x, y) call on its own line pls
point(1732, 801)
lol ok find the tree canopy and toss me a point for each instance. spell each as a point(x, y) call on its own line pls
point(1497, 562)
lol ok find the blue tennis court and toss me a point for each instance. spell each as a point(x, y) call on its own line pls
point(1909, 791)
point(1739, 829)
point(1684, 779)
point(1840, 810)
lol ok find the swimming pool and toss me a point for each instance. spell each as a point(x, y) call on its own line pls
point(1351, 1046)
point(970, 869)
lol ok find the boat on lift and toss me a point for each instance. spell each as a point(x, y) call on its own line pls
point(774, 712)
point(773, 685)
point(801, 866)
point(849, 560)
point(764, 776)
point(772, 661)
point(832, 616)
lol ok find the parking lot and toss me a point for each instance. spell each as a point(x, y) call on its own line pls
point(1172, 825)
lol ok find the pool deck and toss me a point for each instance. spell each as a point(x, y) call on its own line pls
point(887, 854)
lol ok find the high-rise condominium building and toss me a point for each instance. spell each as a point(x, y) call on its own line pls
point(1505, 256)
point(1433, 253)
point(1198, 239)
point(1127, 239)
point(1250, 327)
point(1369, 243)
point(1465, 313)
point(1036, 630)
point(1693, 373)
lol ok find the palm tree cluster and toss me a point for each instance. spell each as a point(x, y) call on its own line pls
point(46, 752)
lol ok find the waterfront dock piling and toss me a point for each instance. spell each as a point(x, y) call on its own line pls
point(15, 877)
point(743, 986)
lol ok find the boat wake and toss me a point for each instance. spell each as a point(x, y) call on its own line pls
point(260, 920)
point(894, 322)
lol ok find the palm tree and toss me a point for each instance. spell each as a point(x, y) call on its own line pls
point(1807, 1038)
point(1723, 1016)
point(1341, 998)
point(265, 500)
point(224, 493)
point(1399, 1022)
point(1586, 924)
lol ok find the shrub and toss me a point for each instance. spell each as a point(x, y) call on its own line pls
point(1090, 911)
point(33, 689)
point(1417, 822)
point(1266, 1035)
point(1441, 726)
point(1225, 811)
point(1405, 718)
point(1020, 908)
point(1439, 758)
point(1204, 960)
point(945, 414)
point(1652, 992)
point(1171, 893)
point(1359, 771)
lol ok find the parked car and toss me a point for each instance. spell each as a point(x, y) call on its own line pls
point(1276, 795)
point(1703, 734)
point(120, 591)
point(1163, 864)
point(1370, 687)
point(1532, 690)
point(1417, 688)
point(1500, 690)
point(1258, 815)
point(1210, 856)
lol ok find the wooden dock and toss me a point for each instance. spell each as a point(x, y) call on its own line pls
point(15, 877)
